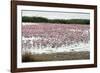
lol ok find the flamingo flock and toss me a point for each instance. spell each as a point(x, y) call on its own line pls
point(39, 38)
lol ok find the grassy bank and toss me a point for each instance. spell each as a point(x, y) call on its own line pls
point(28, 57)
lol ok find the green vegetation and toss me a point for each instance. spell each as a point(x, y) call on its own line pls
point(60, 21)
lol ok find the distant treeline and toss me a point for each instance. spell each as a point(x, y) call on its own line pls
point(61, 21)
